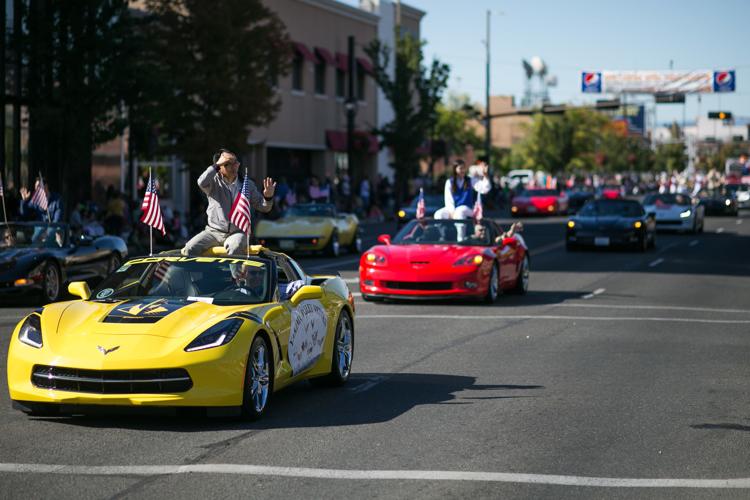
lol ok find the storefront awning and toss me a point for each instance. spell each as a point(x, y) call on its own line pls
point(365, 65)
point(302, 49)
point(325, 55)
point(363, 141)
point(342, 62)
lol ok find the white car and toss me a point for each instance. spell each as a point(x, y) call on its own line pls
point(675, 212)
point(741, 194)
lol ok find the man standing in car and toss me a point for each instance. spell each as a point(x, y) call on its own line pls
point(221, 184)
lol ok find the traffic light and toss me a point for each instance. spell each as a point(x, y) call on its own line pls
point(720, 115)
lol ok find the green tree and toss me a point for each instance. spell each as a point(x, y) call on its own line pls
point(221, 60)
point(414, 93)
point(455, 124)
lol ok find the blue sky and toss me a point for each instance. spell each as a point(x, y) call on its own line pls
point(576, 35)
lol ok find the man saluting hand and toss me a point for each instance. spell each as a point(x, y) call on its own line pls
point(221, 184)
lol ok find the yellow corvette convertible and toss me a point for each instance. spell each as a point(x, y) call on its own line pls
point(220, 332)
point(312, 227)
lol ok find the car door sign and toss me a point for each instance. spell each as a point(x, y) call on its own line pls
point(307, 334)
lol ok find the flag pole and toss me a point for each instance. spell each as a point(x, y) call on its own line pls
point(249, 228)
point(150, 227)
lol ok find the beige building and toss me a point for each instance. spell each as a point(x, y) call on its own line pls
point(507, 130)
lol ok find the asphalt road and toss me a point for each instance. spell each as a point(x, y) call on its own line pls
point(620, 375)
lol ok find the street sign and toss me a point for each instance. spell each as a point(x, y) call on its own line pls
point(724, 81)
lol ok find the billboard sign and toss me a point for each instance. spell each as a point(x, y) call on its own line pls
point(657, 82)
point(591, 82)
point(724, 81)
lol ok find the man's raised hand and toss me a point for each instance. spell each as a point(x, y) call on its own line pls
point(269, 188)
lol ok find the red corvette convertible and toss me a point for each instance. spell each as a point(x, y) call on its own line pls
point(539, 202)
point(436, 259)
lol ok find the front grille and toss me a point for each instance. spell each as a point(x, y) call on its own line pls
point(158, 381)
point(669, 223)
point(418, 285)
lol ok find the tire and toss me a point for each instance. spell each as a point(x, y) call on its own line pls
point(342, 354)
point(642, 244)
point(258, 379)
point(333, 247)
point(356, 245)
point(700, 229)
point(652, 241)
point(522, 280)
point(51, 282)
point(493, 287)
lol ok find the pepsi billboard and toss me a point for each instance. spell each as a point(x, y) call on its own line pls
point(724, 81)
point(591, 82)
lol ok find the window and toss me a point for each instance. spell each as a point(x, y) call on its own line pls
point(298, 66)
point(320, 77)
point(340, 83)
point(361, 85)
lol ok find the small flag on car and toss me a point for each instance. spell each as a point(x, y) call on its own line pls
point(39, 198)
point(478, 213)
point(151, 209)
point(420, 204)
point(239, 215)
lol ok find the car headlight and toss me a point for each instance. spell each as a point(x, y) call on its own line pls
point(401, 214)
point(727, 202)
point(637, 224)
point(685, 214)
point(373, 258)
point(219, 334)
point(31, 331)
point(469, 260)
point(571, 224)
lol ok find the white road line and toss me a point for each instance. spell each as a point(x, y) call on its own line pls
point(665, 308)
point(591, 295)
point(367, 385)
point(656, 262)
point(546, 248)
point(369, 475)
point(356, 294)
point(739, 221)
point(693, 243)
point(351, 280)
point(553, 317)
point(720, 230)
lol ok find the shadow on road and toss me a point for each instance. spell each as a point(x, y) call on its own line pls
point(729, 427)
point(303, 405)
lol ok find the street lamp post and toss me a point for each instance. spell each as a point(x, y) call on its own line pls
point(351, 111)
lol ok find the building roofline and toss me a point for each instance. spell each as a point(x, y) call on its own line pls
point(345, 10)
point(412, 11)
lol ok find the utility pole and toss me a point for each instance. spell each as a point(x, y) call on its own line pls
point(351, 110)
point(488, 120)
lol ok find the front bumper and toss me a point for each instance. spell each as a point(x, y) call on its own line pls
point(681, 224)
point(605, 238)
point(291, 244)
point(382, 283)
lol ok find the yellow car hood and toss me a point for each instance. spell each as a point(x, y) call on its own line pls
point(294, 226)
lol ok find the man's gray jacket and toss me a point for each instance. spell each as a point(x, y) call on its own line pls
point(221, 195)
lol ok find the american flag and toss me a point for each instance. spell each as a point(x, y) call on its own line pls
point(420, 204)
point(239, 215)
point(478, 213)
point(2, 193)
point(161, 270)
point(39, 198)
point(151, 209)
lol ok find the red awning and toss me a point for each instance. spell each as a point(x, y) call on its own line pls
point(337, 141)
point(366, 65)
point(325, 55)
point(305, 52)
point(342, 62)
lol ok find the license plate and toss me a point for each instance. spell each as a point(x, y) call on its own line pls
point(601, 241)
point(286, 244)
point(532, 209)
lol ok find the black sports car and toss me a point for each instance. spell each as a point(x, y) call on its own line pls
point(605, 223)
point(719, 201)
point(432, 203)
point(577, 197)
point(42, 257)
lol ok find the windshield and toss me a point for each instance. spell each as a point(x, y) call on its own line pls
point(444, 232)
point(31, 235)
point(221, 281)
point(312, 210)
point(602, 208)
point(666, 199)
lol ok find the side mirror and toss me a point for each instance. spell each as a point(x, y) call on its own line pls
point(80, 289)
point(385, 239)
point(307, 292)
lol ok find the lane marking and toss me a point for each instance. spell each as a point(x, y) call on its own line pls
point(367, 385)
point(351, 280)
point(720, 230)
point(693, 243)
point(666, 308)
point(591, 295)
point(553, 317)
point(369, 475)
point(546, 248)
point(739, 221)
point(656, 262)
